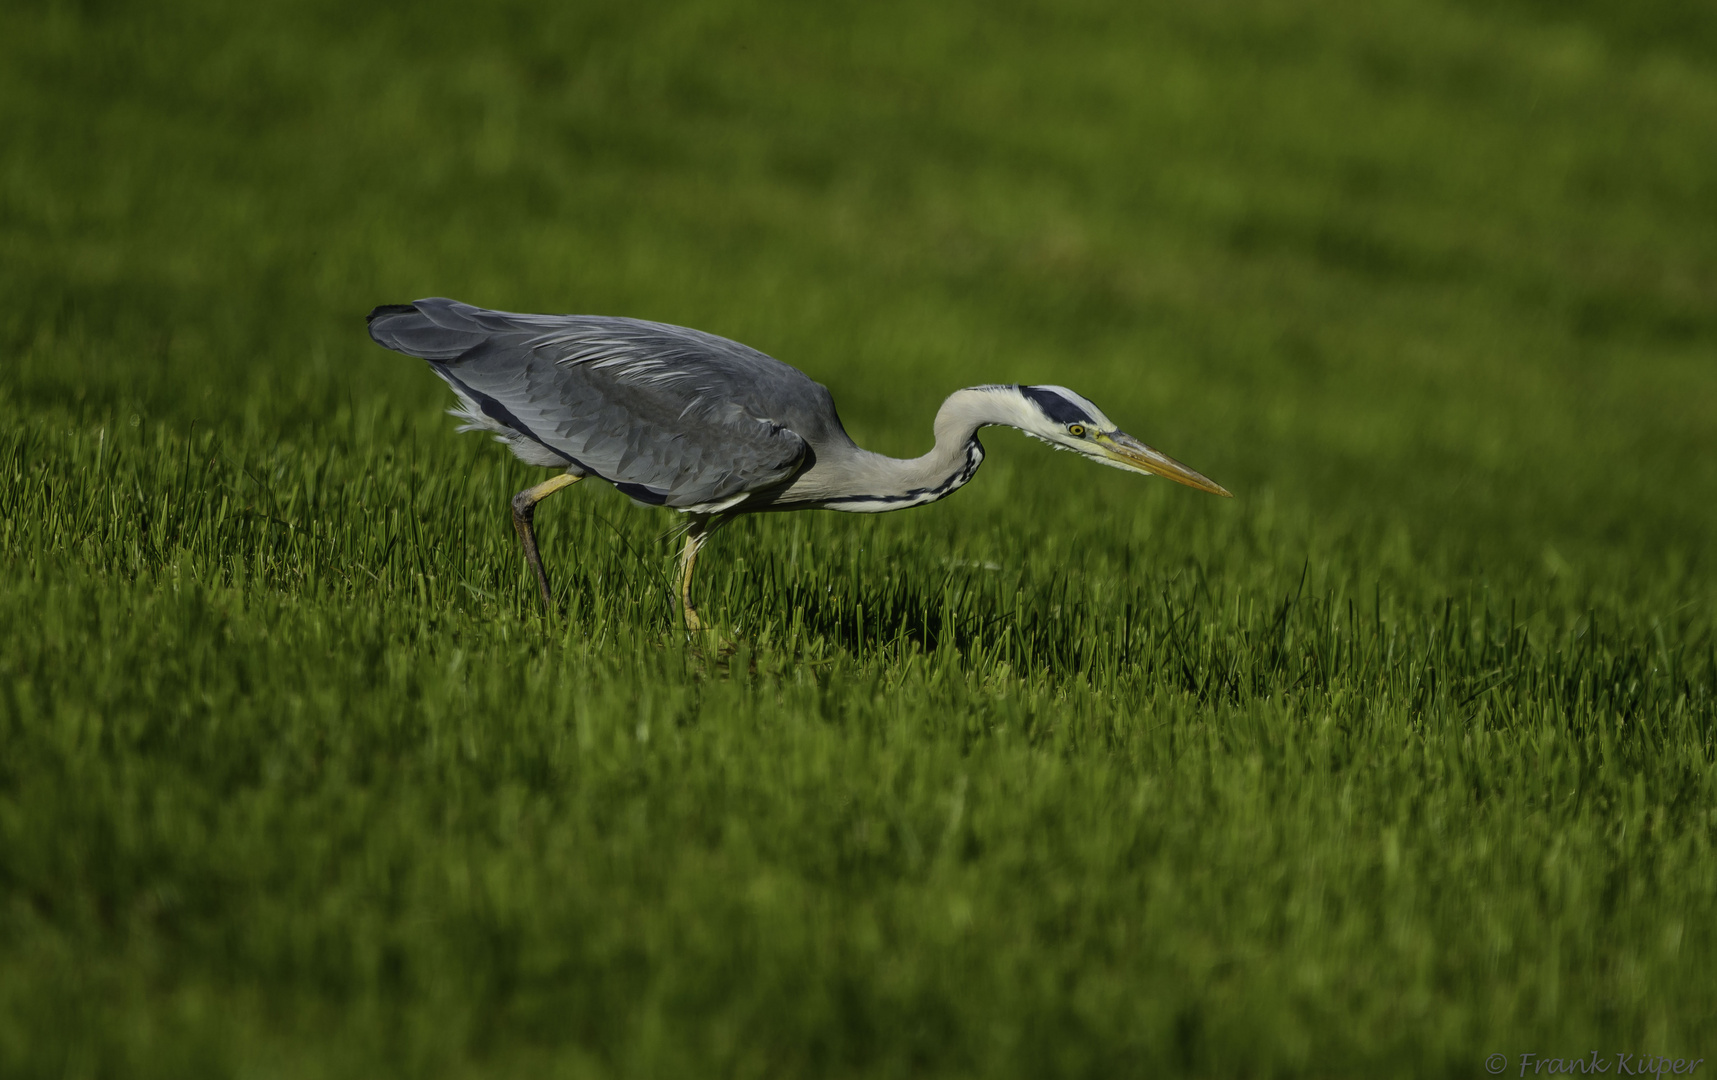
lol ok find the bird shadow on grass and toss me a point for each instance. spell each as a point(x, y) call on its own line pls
point(816, 621)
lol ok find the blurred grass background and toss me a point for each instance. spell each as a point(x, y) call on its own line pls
point(1403, 757)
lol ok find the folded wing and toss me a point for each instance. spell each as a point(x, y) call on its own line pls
point(669, 415)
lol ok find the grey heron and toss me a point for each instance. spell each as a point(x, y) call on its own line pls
point(709, 427)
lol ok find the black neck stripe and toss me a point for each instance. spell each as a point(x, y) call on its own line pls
point(974, 458)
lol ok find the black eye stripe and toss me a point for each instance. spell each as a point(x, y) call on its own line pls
point(1054, 406)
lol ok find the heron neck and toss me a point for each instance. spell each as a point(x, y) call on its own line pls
point(870, 482)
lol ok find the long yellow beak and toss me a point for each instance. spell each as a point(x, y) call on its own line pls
point(1129, 453)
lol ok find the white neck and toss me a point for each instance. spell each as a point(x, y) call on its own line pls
point(867, 483)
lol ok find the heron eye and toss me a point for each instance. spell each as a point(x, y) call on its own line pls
point(1076, 430)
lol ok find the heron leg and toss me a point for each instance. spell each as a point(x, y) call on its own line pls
point(688, 562)
point(524, 509)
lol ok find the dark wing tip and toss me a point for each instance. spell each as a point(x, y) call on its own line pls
point(434, 329)
point(383, 310)
point(386, 323)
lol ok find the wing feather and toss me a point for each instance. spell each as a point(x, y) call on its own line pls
point(667, 414)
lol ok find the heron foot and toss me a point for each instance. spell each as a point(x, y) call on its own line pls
point(524, 511)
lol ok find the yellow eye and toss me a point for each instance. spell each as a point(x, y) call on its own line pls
point(1076, 430)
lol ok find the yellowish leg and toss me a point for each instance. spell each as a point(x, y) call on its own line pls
point(524, 508)
point(689, 562)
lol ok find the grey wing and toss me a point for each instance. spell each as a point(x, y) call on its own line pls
point(669, 415)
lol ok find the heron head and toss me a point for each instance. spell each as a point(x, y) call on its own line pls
point(1068, 421)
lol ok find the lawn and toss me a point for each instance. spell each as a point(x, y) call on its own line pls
point(1403, 757)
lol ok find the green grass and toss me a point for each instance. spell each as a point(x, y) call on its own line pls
point(1403, 757)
